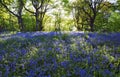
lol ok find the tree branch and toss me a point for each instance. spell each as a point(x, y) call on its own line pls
point(86, 12)
point(8, 9)
point(29, 10)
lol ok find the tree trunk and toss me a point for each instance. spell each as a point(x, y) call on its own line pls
point(37, 23)
point(41, 25)
point(78, 27)
point(20, 22)
point(92, 24)
point(37, 19)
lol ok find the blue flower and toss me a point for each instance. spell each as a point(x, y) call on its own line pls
point(107, 73)
point(13, 66)
point(68, 73)
point(111, 65)
point(76, 70)
point(7, 71)
point(31, 73)
point(80, 72)
point(1, 57)
point(89, 60)
point(65, 64)
point(83, 73)
point(32, 63)
point(55, 65)
point(23, 51)
point(0, 73)
point(58, 50)
point(43, 75)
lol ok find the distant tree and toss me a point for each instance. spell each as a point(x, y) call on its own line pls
point(117, 6)
point(40, 7)
point(87, 11)
point(17, 6)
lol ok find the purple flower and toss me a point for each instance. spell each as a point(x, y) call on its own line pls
point(83, 73)
point(65, 64)
point(75, 57)
point(0, 73)
point(23, 51)
point(68, 73)
point(13, 66)
point(31, 73)
point(76, 70)
point(43, 75)
point(80, 72)
point(32, 63)
point(7, 71)
point(58, 50)
point(107, 73)
point(1, 57)
point(89, 59)
point(111, 65)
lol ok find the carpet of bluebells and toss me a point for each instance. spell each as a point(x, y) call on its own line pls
point(59, 54)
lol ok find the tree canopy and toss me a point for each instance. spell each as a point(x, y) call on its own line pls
point(62, 15)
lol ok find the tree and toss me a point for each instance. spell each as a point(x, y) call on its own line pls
point(88, 11)
point(40, 7)
point(17, 12)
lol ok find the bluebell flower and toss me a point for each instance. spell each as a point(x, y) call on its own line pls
point(111, 65)
point(55, 65)
point(23, 51)
point(107, 73)
point(41, 73)
point(71, 56)
point(0, 73)
point(13, 66)
point(50, 49)
point(80, 72)
point(68, 74)
point(47, 66)
point(65, 64)
point(32, 63)
point(7, 71)
point(1, 57)
point(77, 70)
point(12, 54)
point(89, 59)
point(23, 66)
point(3, 52)
point(83, 73)
point(58, 50)
point(31, 73)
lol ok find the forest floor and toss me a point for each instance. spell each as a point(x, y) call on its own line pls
point(59, 54)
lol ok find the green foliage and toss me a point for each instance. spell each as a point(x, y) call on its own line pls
point(29, 22)
point(113, 22)
point(62, 13)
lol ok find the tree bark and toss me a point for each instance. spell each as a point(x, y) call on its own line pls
point(20, 22)
point(41, 25)
point(92, 25)
point(37, 20)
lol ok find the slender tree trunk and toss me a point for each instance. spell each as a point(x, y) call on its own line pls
point(78, 27)
point(37, 24)
point(92, 20)
point(37, 19)
point(92, 26)
point(20, 22)
point(41, 25)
